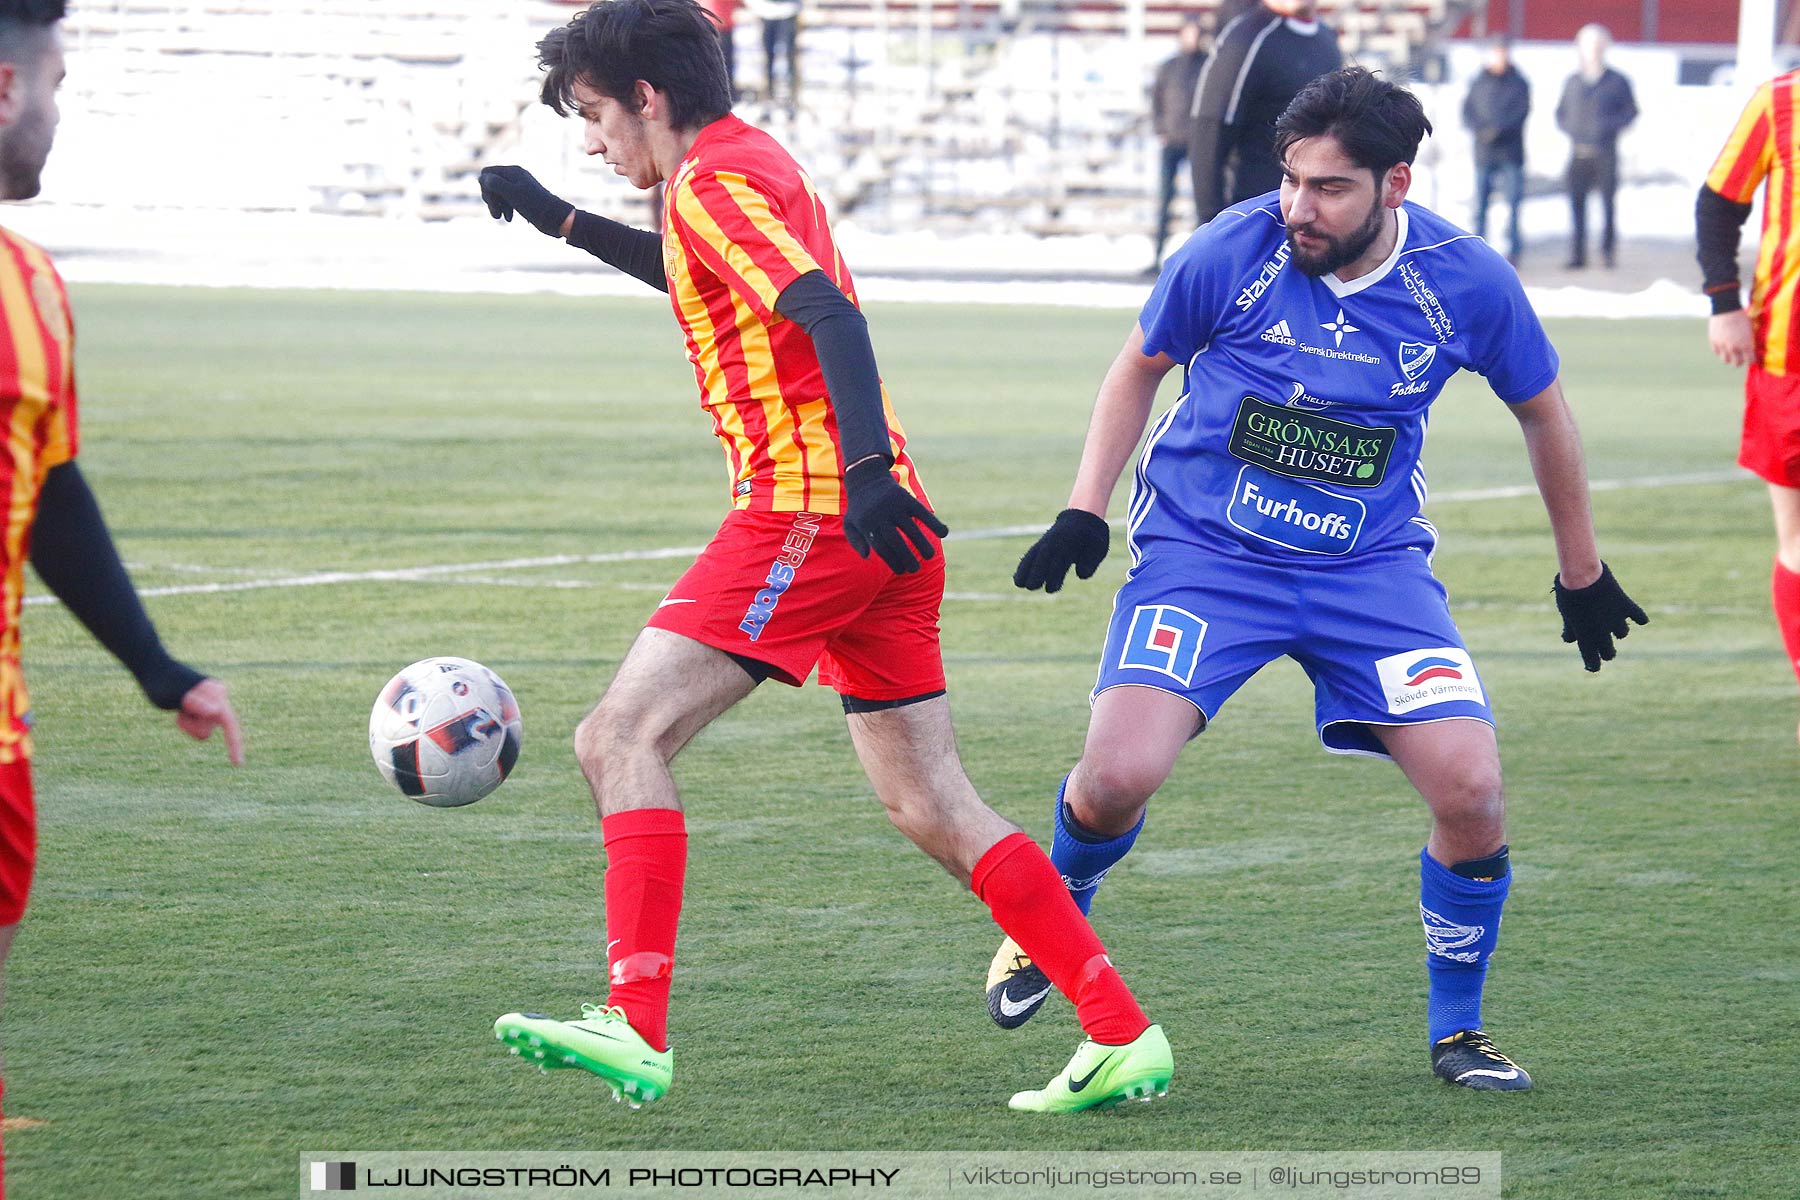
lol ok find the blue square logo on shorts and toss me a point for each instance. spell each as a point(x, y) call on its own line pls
point(1164, 639)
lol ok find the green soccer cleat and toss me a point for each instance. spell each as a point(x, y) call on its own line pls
point(1099, 1076)
point(602, 1041)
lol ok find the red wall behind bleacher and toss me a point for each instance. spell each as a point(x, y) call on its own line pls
point(1676, 20)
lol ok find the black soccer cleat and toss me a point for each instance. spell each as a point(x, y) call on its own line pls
point(1468, 1059)
point(1016, 988)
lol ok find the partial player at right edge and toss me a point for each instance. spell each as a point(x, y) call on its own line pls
point(1277, 511)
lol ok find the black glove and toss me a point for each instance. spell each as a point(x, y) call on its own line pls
point(1076, 539)
point(881, 515)
point(1594, 615)
point(513, 189)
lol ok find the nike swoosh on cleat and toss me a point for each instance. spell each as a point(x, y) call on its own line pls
point(1013, 1008)
point(666, 603)
point(1514, 1074)
point(1075, 1085)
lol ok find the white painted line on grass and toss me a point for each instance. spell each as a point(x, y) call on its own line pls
point(445, 570)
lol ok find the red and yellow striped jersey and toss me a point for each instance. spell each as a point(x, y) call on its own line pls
point(741, 222)
point(1766, 145)
point(37, 404)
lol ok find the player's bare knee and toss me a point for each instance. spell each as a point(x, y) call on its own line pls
point(590, 745)
point(1113, 787)
point(907, 820)
point(605, 738)
point(912, 811)
point(1471, 797)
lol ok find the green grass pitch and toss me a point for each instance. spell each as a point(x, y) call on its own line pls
point(221, 968)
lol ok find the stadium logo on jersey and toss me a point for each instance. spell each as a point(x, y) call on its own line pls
point(1280, 334)
point(1427, 300)
point(1253, 291)
point(1446, 939)
point(1415, 358)
point(1433, 675)
point(1298, 516)
point(1164, 639)
point(1303, 445)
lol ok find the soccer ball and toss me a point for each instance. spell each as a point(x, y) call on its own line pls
point(445, 731)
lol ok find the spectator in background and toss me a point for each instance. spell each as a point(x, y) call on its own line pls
point(1495, 110)
point(1595, 108)
point(781, 40)
point(724, 15)
point(1171, 99)
point(1259, 63)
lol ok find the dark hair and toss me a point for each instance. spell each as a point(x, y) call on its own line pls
point(25, 26)
point(33, 12)
point(1377, 123)
point(673, 45)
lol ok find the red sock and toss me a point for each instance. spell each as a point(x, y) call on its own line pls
point(1786, 589)
point(1027, 897)
point(646, 863)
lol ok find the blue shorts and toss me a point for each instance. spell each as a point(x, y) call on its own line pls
point(1374, 635)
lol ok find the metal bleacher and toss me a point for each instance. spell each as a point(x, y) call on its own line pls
point(1009, 114)
point(338, 105)
point(1021, 115)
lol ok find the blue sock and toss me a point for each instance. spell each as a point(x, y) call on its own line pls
point(1462, 926)
point(1083, 860)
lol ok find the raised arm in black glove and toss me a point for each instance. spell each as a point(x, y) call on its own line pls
point(1077, 539)
point(637, 252)
point(1594, 615)
point(881, 515)
point(509, 190)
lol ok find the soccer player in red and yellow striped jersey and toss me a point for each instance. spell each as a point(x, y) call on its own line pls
point(51, 516)
point(1763, 151)
point(820, 477)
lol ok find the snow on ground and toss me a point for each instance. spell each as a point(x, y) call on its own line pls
point(302, 250)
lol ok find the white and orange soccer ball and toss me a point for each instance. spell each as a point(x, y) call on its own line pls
point(445, 731)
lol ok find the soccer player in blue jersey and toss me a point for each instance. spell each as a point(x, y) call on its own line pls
point(1277, 511)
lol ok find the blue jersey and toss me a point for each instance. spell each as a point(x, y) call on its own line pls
point(1303, 413)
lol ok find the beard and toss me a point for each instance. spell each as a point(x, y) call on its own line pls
point(1339, 252)
point(23, 154)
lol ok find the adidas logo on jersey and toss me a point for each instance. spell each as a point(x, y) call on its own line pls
point(1279, 334)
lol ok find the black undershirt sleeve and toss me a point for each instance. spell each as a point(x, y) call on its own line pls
point(840, 336)
point(75, 555)
point(1718, 224)
point(637, 252)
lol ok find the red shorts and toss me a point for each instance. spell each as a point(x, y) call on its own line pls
point(18, 839)
point(1771, 441)
point(787, 590)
